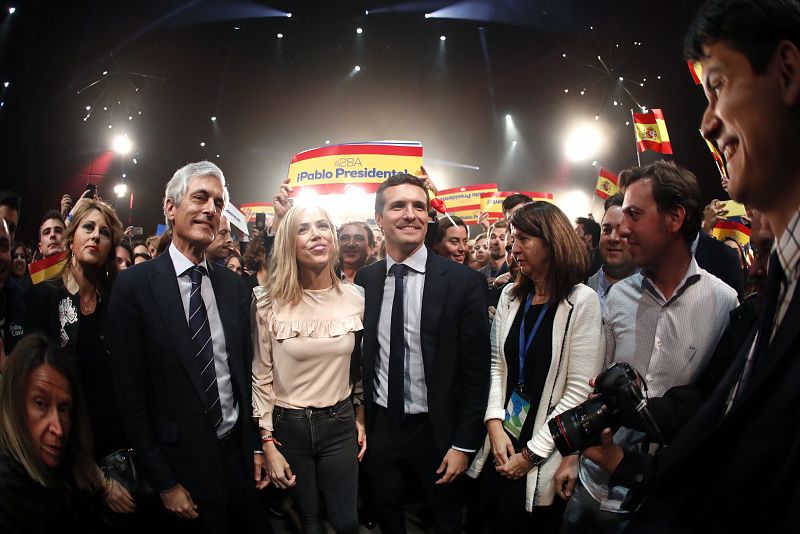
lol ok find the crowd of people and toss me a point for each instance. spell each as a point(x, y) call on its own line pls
point(190, 383)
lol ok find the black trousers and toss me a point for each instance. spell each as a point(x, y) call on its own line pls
point(408, 448)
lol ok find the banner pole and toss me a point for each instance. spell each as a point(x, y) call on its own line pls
point(635, 140)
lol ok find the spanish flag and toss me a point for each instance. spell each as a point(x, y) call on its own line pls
point(696, 70)
point(719, 159)
point(47, 268)
point(732, 228)
point(651, 132)
point(607, 184)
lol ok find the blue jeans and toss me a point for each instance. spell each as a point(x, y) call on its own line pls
point(321, 447)
point(584, 516)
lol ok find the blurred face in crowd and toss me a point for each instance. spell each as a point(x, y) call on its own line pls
point(454, 244)
point(315, 241)
point(643, 225)
point(140, 254)
point(50, 234)
point(11, 217)
point(195, 221)
point(234, 263)
point(354, 245)
point(91, 244)
point(752, 118)
point(761, 239)
point(152, 247)
point(531, 254)
point(497, 243)
point(5, 253)
point(615, 252)
point(19, 260)
point(404, 220)
point(376, 232)
point(222, 246)
point(123, 258)
point(586, 238)
point(48, 413)
point(481, 251)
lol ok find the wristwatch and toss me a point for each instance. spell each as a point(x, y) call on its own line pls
point(532, 457)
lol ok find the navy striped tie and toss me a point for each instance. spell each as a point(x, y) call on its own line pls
point(204, 346)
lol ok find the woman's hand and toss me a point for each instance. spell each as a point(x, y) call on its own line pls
point(502, 448)
point(516, 467)
point(361, 431)
point(278, 468)
point(712, 214)
point(566, 476)
point(117, 497)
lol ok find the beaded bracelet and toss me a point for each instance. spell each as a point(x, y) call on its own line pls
point(267, 439)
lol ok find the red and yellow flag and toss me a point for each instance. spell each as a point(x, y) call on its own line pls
point(492, 203)
point(607, 184)
point(250, 209)
point(47, 268)
point(696, 70)
point(651, 132)
point(465, 201)
point(719, 159)
point(734, 229)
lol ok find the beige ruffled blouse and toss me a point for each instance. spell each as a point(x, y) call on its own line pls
point(301, 353)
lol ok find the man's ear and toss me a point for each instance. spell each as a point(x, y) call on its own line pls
point(379, 221)
point(674, 218)
point(787, 56)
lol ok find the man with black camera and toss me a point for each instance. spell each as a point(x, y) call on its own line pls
point(734, 466)
point(664, 321)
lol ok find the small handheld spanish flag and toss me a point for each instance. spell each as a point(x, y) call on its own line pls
point(719, 159)
point(47, 268)
point(732, 228)
point(696, 70)
point(651, 132)
point(607, 184)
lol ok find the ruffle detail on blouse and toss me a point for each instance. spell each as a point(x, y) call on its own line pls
point(281, 330)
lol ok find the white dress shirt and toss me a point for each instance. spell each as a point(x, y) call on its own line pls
point(230, 411)
point(415, 393)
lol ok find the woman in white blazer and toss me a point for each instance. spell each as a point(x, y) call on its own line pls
point(554, 321)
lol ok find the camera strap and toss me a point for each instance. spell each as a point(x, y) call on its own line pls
point(525, 344)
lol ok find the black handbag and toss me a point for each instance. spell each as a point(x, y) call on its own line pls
point(120, 466)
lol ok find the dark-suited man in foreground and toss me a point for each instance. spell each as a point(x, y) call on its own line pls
point(426, 362)
point(180, 343)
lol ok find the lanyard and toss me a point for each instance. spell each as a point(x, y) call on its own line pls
point(523, 344)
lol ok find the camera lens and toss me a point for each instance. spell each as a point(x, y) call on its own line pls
point(580, 427)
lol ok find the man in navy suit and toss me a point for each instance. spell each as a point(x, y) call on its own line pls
point(426, 362)
point(734, 466)
point(180, 350)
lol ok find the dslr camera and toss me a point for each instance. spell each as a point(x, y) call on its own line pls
point(619, 402)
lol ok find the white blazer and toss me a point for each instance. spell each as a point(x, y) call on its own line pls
point(578, 355)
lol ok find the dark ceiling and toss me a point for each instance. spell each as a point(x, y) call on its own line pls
point(191, 60)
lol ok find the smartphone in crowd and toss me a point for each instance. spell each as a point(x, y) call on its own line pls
point(261, 221)
point(92, 188)
point(137, 230)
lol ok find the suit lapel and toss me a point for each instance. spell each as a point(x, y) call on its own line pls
point(167, 299)
point(373, 298)
point(226, 299)
point(434, 295)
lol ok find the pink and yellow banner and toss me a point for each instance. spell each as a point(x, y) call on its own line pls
point(492, 203)
point(337, 169)
point(465, 201)
point(252, 208)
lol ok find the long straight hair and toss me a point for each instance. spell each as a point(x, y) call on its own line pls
point(283, 281)
point(569, 260)
point(33, 351)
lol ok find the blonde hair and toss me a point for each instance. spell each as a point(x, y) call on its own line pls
point(283, 281)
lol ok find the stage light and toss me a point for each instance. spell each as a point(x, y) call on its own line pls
point(122, 144)
point(616, 103)
point(140, 112)
point(620, 78)
point(124, 175)
point(566, 90)
point(594, 163)
point(130, 117)
point(236, 28)
point(11, 10)
point(289, 15)
point(357, 68)
point(564, 56)
point(509, 120)
point(6, 84)
point(427, 15)
point(597, 117)
point(120, 190)
point(582, 143)
point(213, 118)
point(105, 72)
point(109, 126)
point(583, 92)
point(366, 11)
point(627, 123)
point(88, 108)
point(135, 161)
point(217, 155)
point(327, 141)
point(105, 108)
point(513, 143)
point(202, 143)
point(442, 37)
point(280, 36)
point(359, 31)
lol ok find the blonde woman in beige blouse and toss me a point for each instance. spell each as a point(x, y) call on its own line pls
point(307, 329)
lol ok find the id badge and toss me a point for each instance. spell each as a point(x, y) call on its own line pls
point(516, 412)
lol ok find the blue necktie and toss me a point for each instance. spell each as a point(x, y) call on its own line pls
point(204, 346)
point(397, 348)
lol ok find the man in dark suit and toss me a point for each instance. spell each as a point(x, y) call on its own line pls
point(426, 362)
point(721, 261)
point(180, 351)
point(734, 467)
